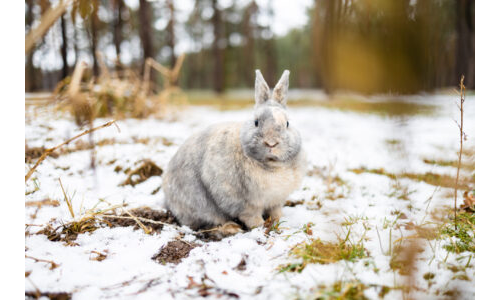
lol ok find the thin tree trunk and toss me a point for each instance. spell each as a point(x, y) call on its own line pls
point(145, 30)
point(465, 41)
point(248, 49)
point(217, 49)
point(171, 32)
point(75, 44)
point(30, 84)
point(118, 29)
point(64, 49)
point(93, 42)
point(270, 50)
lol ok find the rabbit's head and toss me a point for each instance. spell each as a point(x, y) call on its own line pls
point(270, 137)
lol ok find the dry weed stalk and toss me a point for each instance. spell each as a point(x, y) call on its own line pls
point(50, 150)
point(53, 265)
point(68, 202)
point(146, 229)
point(461, 127)
point(121, 93)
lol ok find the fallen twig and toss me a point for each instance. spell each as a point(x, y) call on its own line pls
point(50, 150)
point(53, 265)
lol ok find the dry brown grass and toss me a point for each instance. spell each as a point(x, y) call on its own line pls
point(140, 174)
point(120, 94)
point(382, 107)
point(429, 178)
point(44, 202)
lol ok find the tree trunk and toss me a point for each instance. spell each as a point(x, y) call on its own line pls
point(217, 49)
point(64, 49)
point(93, 42)
point(171, 32)
point(118, 29)
point(249, 48)
point(465, 42)
point(270, 51)
point(145, 30)
point(75, 44)
point(30, 84)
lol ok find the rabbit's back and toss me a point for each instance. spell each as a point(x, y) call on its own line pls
point(204, 182)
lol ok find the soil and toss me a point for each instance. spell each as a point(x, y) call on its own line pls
point(173, 252)
point(51, 296)
point(70, 231)
point(146, 213)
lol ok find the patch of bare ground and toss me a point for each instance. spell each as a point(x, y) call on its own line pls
point(49, 295)
point(152, 220)
point(155, 219)
point(173, 252)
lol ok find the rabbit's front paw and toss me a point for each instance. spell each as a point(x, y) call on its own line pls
point(230, 228)
point(253, 221)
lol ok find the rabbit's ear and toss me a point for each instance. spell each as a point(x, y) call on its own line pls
point(280, 91)
point(262, 91)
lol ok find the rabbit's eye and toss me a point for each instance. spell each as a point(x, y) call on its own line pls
point(287, 124)
point(256, 122)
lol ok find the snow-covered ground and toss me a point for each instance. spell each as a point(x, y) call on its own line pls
point(336, 142)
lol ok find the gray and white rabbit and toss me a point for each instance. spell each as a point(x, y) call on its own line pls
point(238, 170)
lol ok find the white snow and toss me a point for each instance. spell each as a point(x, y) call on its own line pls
point(336, 140)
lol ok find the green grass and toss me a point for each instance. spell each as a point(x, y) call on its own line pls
point(462, 238)
point(393, 142)
point(340, 290)
point(318, 251)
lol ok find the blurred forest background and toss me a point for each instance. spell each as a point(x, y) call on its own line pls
point(367, 46)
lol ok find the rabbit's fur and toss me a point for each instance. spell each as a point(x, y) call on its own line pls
point(238, 170)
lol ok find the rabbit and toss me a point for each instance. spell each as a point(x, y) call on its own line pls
point(238, 171)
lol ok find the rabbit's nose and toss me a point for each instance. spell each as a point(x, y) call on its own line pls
point(271, 144)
